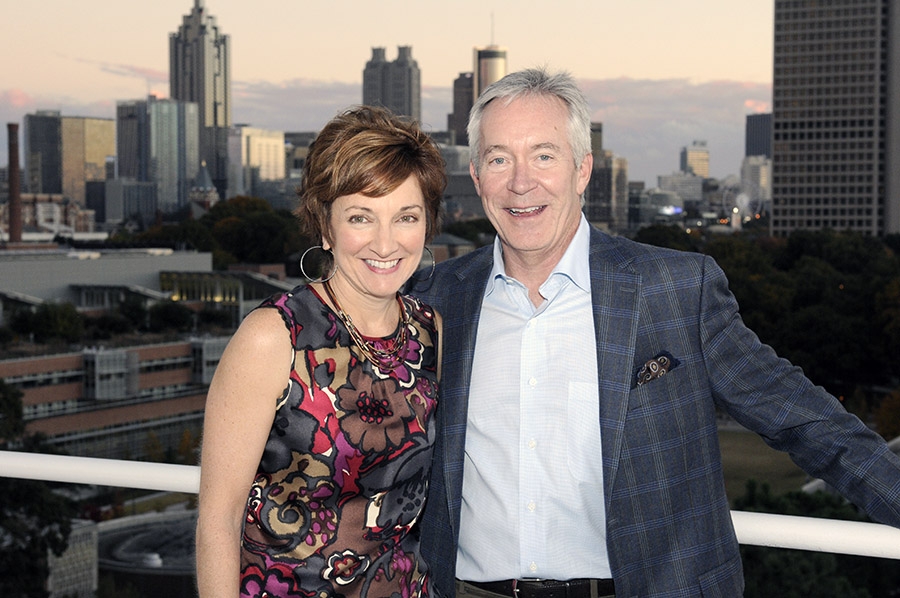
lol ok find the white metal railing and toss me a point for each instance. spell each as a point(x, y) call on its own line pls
point(757, 529)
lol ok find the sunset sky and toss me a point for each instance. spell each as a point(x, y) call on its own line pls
point(657, 73)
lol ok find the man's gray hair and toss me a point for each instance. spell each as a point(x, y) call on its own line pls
point(536, 82)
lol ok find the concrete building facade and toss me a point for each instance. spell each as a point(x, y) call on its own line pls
point(254, 157)
point(836, 117)
point(695, 159)
point(158, 141)
point(395, 85)
point(64, 153)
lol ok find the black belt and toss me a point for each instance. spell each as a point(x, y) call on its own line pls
point(548, 588)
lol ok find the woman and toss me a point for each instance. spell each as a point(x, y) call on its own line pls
point(319, 427)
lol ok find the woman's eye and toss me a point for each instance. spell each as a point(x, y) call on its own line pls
point(409, 218)
point(357, 219)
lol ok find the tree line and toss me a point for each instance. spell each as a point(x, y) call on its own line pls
point(827, 301)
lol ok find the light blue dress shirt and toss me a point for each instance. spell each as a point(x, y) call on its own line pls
point(533, 478)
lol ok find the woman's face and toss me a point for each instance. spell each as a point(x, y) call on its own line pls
point(377, 241)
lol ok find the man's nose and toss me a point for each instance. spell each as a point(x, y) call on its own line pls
point(522, 179)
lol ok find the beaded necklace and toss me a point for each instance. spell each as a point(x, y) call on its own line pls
point(385, 358)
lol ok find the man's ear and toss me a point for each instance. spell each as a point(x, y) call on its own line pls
point(584, 172)
point(473, 172)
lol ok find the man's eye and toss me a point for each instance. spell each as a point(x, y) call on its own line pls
point(545, 157)
point(497, 160)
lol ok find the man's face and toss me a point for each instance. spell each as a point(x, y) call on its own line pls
point(527, 176)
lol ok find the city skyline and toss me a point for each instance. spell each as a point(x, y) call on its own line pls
point(659, 75)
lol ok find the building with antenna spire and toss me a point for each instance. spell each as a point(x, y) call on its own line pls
point(489, 66)
point(200, 71)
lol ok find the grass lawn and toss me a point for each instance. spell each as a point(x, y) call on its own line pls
point(745, 456)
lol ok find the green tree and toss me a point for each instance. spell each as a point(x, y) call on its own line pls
point(798, 574)
point(49, 322)
point(666, 235)
point(187, 448)
point(476, 231)
point(154, 448)
point(170, 315)
point(887, 418)
point(34, 520)
point(12, 426)
point(133, 309)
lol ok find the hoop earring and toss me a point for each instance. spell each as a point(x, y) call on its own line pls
point(433, 264)
point(303, 270)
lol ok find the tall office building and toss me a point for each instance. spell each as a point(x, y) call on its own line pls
point(158, 141)
point(458, 120)
point(836, 118)
point(63, 153)
point(695, 159)
point(255, 156)
point(756, 181)
point(489, 66)
point(395, 85)
point(88, 144)
point(42, 140)
point(200, 71)
point(597, 140)
point(758, 135)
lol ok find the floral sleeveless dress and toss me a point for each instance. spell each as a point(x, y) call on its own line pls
point(344, 473)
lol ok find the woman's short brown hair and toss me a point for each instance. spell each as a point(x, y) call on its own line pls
point(371, 151)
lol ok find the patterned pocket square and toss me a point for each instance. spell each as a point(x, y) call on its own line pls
point(660, 365)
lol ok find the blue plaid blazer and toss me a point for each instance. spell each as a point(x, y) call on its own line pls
point(669, 530)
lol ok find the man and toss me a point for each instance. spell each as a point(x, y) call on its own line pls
point(578, 453)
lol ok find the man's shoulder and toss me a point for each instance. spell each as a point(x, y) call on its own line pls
point(638, 256)
point(453, 276)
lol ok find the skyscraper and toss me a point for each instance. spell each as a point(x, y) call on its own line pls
point(458, 120)
point(43, 152)
point(62, 153)
point(836, 139)
point(87, 143)
point(255, 156)
point(395, 85)
point(200, 71)
point(758, 135)
point(695, 159)
point(157, 141)
point(489, 66)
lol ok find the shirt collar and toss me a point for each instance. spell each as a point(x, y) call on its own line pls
point(574, 263)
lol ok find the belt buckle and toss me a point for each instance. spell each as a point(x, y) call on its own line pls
point(515, 584)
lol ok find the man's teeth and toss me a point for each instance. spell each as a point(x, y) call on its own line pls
point(516, 212)
point(382, 265)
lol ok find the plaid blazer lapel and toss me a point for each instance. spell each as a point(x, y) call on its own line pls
point(615, 294)
point(461, 315)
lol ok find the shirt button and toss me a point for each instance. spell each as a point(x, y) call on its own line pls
point(532, 382)
point(532, 506)
point(532, 443)
point(532, 567)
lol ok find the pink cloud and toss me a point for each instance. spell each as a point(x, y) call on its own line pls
point(16, 98)
point(757, 106)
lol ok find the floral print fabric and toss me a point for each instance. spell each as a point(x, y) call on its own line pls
point(344, 473)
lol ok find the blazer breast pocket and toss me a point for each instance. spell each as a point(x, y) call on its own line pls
point(655, 368)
